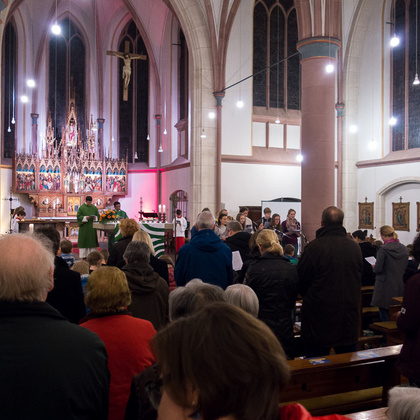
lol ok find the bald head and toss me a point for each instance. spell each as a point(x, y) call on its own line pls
point(332, 215)
point(26, 269)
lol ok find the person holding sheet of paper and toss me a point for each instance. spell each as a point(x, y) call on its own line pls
point(368, 250)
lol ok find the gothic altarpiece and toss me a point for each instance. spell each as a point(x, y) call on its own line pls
point(68, 170)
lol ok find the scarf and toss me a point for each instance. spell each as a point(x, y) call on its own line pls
point(292, 224)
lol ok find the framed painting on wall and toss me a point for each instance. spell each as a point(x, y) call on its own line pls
point(73, 205)
point(418, 217)
point(401, 216)
point(365, 215)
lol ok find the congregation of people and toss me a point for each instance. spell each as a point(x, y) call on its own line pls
point(126, 335)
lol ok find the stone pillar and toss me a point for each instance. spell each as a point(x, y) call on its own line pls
point(158, 118)
point(318, 130)
point(34, 133)
point(101, 122)
point(219, 97)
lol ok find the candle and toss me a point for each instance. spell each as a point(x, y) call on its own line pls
point(164, 208)
point(160, 208)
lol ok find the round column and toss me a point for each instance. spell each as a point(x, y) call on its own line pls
point(317, 130)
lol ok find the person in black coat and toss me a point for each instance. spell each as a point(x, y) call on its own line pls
point(368, 250)
point(237, 239)
point(67, 295)
point(130, 231)
point(330, 271)
point(274, 280)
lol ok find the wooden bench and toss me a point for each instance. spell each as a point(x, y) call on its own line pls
point(348, 382)
point(393, 334)
point(377, 414)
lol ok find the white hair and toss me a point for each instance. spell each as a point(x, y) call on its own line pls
point(26, 269)
point(205, 220)
point(244, 297)
point(404, 403)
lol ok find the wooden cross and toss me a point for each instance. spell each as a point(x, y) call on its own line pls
point(127, 57)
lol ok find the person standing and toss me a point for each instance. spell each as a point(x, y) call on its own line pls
point(330, 271)
point(120, 213)
point(50, 368)
point(368, 250)
point(180, 225)
point(391, 262)
point(291, 230)
point(88, 238)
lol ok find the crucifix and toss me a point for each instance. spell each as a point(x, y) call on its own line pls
point(127, 57)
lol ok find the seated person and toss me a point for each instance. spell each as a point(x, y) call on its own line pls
point(126, 338)
point(236, 370)
point(267, 216)
point(66, 252)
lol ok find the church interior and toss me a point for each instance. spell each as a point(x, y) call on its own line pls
point(209, 103)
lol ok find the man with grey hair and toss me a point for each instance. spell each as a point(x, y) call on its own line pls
point(205, 256)
point(330, 271)
point(41, 350)
point(149, 291)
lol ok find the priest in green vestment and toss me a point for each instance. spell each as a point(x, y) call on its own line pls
point(88, 238)
point(121, 215)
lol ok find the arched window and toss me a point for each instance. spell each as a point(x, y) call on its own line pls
point(405, 95)
point(275, 38)
point(134, 112)
point(67, 64)
point(9, 91)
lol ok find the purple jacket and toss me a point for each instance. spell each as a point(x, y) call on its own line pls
point(409, 323)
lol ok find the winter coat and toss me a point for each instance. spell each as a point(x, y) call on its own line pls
point(368, 276)
point(391, 261)
point(330, 271)
point(274, 280)
point(67, 295)
point(239, 242)
point(50, 368)
point(149, 294)
point(205, 257)
point(409, 323)
point(127, 343)
point(116, 258)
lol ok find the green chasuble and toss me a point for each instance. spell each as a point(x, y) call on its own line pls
point(88, 237)
point(121, 213)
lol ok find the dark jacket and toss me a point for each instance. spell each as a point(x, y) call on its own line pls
point(409, 323)
point(205, 257)
point(50, 368)
point(391, 262)
point(330, 271)
point(274, 280)
point(149, 294)
point(368, 276)
point(239, 242)
point(67, 296)
point(116, 258)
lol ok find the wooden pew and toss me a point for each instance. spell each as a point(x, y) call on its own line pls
point(349, 382)
point(377, 414)
point(393, 334)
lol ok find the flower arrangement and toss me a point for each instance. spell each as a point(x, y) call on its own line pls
point(108, 216)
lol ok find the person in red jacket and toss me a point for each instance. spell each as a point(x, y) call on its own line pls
point(126, 338)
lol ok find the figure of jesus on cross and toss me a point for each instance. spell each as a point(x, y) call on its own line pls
point(127, 57)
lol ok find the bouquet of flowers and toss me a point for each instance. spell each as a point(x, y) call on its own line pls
point(108, 216)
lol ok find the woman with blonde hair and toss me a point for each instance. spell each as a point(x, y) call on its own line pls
point(391, 262)
point(126, 338)
point(128, 228)
point(143, 236)
point(274, 280)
